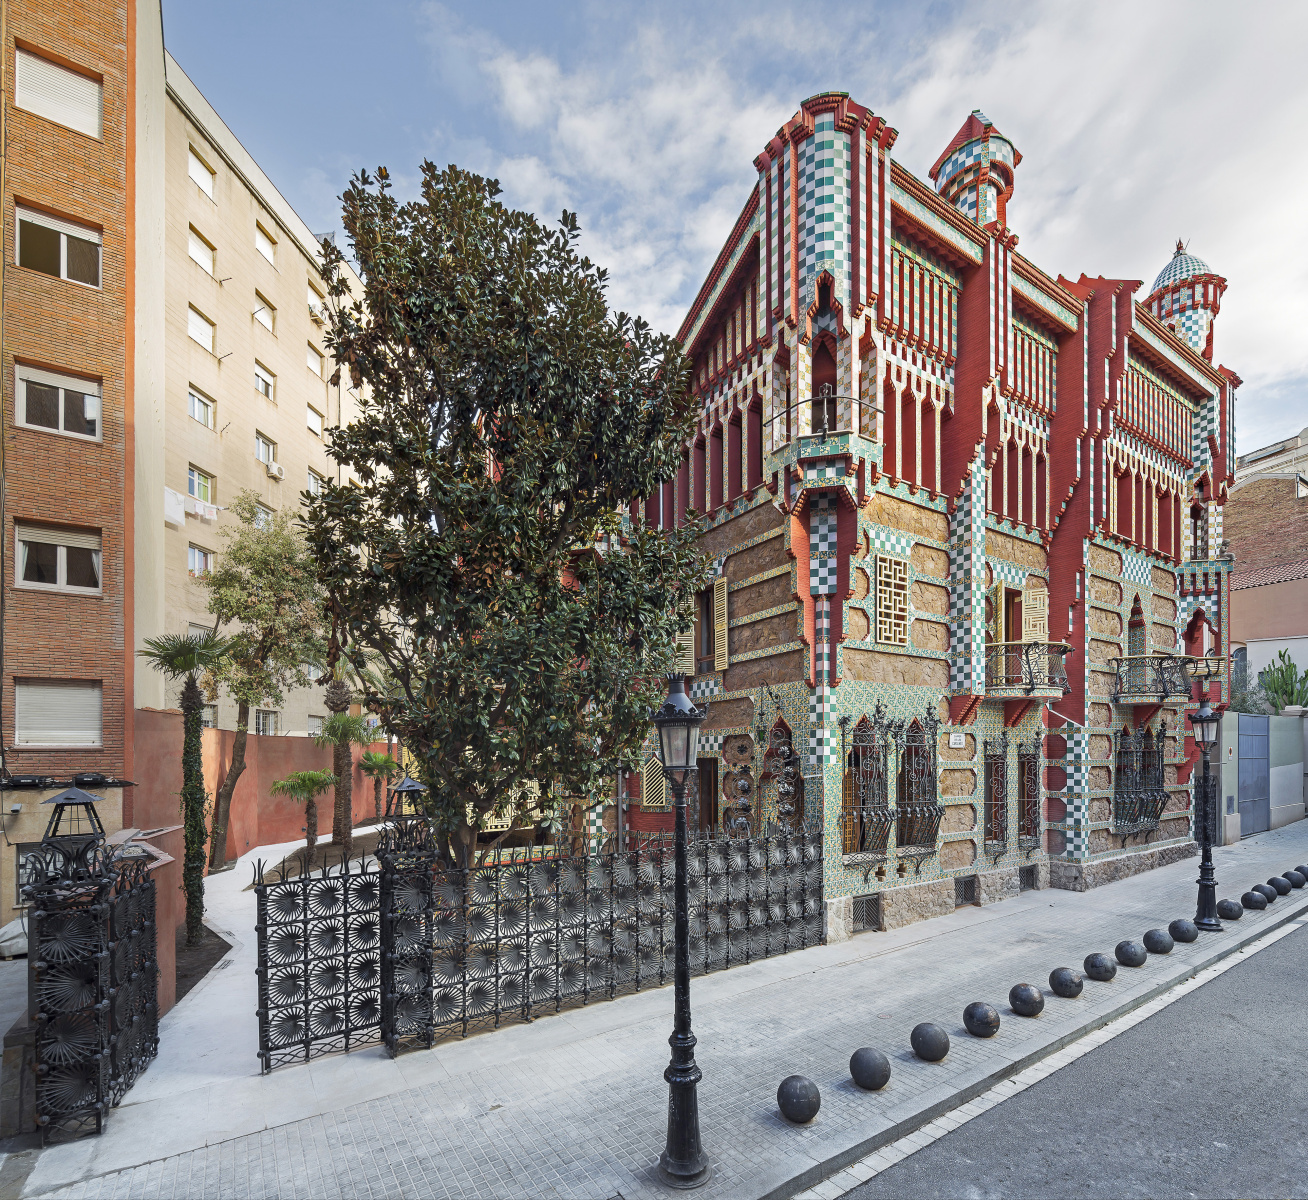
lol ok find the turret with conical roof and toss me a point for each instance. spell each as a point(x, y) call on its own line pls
point(1186, 298)
point(975, 173)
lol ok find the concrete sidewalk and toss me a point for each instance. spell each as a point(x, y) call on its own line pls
point(575, 1105)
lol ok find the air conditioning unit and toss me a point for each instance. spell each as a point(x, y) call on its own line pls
point(275, 470)
point(315, 315)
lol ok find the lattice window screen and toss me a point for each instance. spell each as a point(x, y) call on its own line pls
point(685, 653)
point(1035, 614)
point(653, 787)
point(721, 657)
point(892, 600)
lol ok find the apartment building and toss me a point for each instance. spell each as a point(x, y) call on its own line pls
point(242, 397)
point(66, 357)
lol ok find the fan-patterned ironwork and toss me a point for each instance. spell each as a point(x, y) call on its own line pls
point(422, 951)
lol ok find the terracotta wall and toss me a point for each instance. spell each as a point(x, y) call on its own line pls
point(257, 818)
point(169, 909)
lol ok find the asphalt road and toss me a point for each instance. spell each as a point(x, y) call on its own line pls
point(1206, 1098)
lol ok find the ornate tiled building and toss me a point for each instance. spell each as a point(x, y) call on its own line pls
point(965, 515)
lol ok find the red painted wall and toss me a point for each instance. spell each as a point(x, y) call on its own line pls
point(257, 818)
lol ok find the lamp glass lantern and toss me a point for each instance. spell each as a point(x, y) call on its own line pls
point(678, 723)
point(1203, 724)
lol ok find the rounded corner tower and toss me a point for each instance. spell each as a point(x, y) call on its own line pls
point(975, 173)
point(1186, 297)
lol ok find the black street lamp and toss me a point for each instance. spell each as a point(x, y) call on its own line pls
point(682, 1163)
point(1203, 725)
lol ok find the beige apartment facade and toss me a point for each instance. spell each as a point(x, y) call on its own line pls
point(244, 395)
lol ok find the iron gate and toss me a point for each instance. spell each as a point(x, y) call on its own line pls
point(93, 987)
point(416, 951)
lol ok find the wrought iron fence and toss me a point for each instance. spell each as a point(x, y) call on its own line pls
point(1156, 675)
point(93, 983)
point(1028, 665)
point(1140, 793)
point(418, 951)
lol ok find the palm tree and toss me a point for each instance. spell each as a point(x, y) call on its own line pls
point(380, 768)
point(187, 656)
point(340, 731)
point(306, 786)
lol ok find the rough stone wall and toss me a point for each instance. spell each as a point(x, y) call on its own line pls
point(917, 902)
point(876, 667)
point(1082, 876)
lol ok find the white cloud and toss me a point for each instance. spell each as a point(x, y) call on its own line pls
point(1139, 123)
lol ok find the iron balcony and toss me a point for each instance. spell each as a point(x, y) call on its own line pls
point(1016, 669)
point(1149, 678)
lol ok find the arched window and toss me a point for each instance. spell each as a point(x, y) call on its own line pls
point(824, 388)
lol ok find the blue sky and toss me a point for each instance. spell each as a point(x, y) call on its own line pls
point(1138, 123)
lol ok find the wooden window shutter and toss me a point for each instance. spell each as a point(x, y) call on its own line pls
point(685, 658)
point(653, 787)
point(721, 657)
point(995, 624)
point(1035, 613)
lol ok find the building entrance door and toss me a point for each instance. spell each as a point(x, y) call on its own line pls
point(1255, 776)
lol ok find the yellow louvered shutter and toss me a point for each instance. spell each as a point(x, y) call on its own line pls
point(653, 787)
point(1035, 614)
point(721, 657)
point(685, 660)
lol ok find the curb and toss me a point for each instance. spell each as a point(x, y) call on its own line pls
point(819, 1171)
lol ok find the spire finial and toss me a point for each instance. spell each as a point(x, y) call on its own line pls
point(1180, 248)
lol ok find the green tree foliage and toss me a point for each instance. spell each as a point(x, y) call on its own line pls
point(381, 769)
point(340, 731)
point(186, 657)
point(507, 417)
point(1282, 684)
point(306, 787)
point(263, 586)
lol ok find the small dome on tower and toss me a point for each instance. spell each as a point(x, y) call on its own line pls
point(1182, 266)
point(975, 173)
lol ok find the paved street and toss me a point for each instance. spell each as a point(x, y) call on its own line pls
point(1202, 1099)
point(481, 1118)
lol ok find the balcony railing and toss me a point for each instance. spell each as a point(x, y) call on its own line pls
point(1027, 666)
point(866, 830)
point(1138, 812)
point(1157, 676)
point(919, 828)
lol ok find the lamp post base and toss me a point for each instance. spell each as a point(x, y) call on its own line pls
point(683, 1163)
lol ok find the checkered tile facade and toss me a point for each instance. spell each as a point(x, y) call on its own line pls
point(822, 545)
point(824, 239)
point(967, 592)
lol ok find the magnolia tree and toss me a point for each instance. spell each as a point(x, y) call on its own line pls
point(503, 622)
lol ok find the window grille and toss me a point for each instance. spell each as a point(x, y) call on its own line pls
point(265, 722)
point(1028, 811)
point(1139, 788)
point(892, 600)
point(867, 913)
point(866, 815)
point(964, 890)
point(919, 808)
point(996, 796)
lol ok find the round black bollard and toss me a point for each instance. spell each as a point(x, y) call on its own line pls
point(1184, 930)
point(1267, 890)
point(1159, 941)
point(1130, 954)
point(870, 1069)
point(1229, 910)
point(1303, 871)
point(799, 1099)
point(1065, 982)
point(1099, 967)
point(930, 1043)
point(1255, 901)
point(1296, 877)
point(1281, 885)
point(981, 1019)
point(1026, 1000)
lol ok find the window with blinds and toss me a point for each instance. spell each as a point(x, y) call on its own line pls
point(265, 382)
point(685, 659)
point(58, 403)
point(57, 247)
point(199, 328)
point(200, 407)
point(199, 172)
point(264, 243)
point(57, 712)
point(264, 312)
point(721, 654)
point(61, 560)
point(67, 98)
point(313, 418)
point(653, 786)
point(313, 360)
point(199, 250)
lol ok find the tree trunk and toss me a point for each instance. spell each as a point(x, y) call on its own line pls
point(343, 820)
point(311, 831)
point(376, 796)
point(193, 798)
point(337, 699)
point(223, 805)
